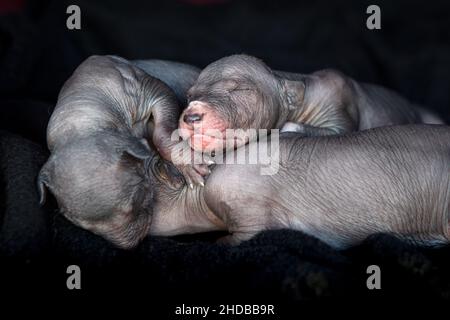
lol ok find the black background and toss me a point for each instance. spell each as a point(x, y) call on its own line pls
point(410, 54)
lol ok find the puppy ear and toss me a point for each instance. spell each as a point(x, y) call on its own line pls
point(292, 93)
point(42, 185)
point(139, 149)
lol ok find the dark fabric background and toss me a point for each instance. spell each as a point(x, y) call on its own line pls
point(411, 54)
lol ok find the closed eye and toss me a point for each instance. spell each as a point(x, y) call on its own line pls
point(241, 89)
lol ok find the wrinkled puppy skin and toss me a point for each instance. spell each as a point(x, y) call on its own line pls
point(242, 92)
point(109, 116)
point(340, 189)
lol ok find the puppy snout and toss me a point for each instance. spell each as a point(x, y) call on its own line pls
point(191, 118)
point(195, 113)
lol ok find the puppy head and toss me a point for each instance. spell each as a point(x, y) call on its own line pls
point(103, 184)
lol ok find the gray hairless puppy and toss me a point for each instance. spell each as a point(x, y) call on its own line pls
point(106, 116)
point(241, 92)
point(339, 189)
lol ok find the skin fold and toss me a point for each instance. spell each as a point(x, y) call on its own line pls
point(241, 92)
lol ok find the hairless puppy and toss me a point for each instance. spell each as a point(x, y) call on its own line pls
point(241, 92)
point(339, 189)
point(106, 116)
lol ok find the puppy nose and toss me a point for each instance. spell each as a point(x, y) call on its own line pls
point(191, 118)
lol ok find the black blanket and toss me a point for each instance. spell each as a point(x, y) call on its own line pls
point(411, 55)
